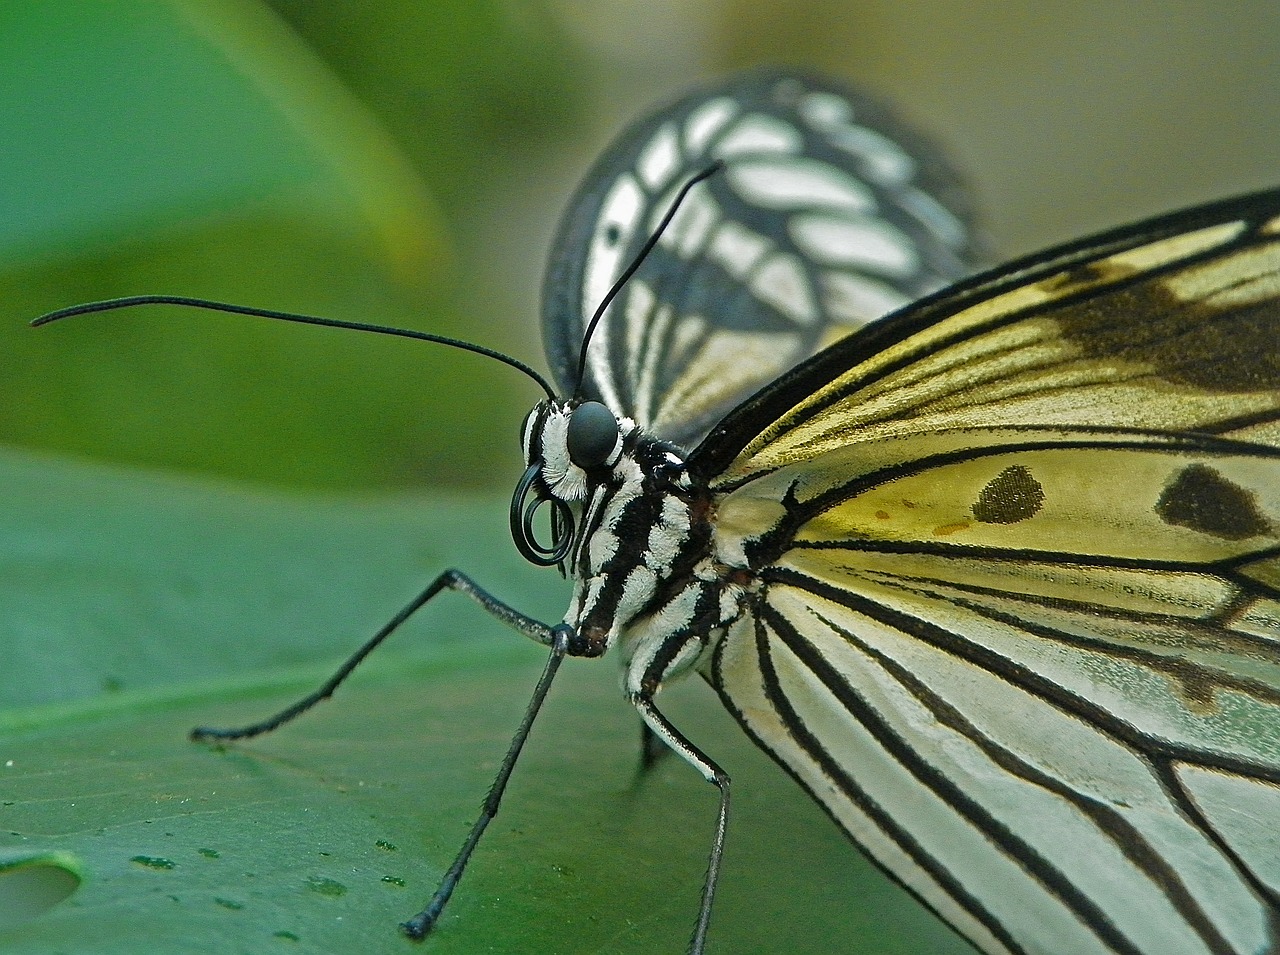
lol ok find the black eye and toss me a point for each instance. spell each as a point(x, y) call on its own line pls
point(593, 431)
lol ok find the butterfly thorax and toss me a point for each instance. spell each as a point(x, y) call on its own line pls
point(641, 531)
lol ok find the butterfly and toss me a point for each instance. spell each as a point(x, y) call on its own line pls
point(995, 578)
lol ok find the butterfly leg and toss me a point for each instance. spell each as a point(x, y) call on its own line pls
point(562, 637)
point(562, 640)
point(652, 748)
point(713, 774)
point(449, 580)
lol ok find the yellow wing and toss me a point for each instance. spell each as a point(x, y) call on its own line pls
point(1016, 612)
point(1177, 334)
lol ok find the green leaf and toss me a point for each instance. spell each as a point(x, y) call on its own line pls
point(136, 607)
point(31, 883)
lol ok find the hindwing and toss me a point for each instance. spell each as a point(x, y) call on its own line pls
point(828, 214)
point(1017, 615)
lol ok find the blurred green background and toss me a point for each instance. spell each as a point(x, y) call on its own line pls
point(405, 162)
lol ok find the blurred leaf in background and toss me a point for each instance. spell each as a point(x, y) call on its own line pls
point(200, 148)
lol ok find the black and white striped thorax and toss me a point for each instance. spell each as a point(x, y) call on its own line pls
point(640, 556)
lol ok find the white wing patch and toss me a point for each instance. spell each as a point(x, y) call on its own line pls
point(691, 227)
point(865, 243)
point(799, 183)
point(706, 121)
point(619, 217)
point(881, 158)
point(857, 299)
point(755, 134)
point(936, 216)
point(660, 160)
point(781, 281)
point(825, 111)
point(737, 248)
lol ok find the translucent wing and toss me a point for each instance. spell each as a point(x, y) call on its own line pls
point(827, 215)
point(1018, 623)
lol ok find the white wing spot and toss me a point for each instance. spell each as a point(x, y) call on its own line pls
point(825, 111)
point(737, 248)
point(619, 213)
point(687, 333)
point(660, 159)
point(782, 283)
point(932, 213)
point(691, 227)
point(792, 183)
point(639, 328)
point(619, 217)
point(883, 160)
point(648, 352)
point(759, 134)
point(856, 299)
point(707, 120)
point(872, 244)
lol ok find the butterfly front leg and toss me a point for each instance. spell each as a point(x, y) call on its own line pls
point(661, 646)
point(454, 580)
point(678, 743)
point(563, 641)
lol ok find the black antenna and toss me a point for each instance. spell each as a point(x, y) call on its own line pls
point(109, 305)
point(635, 264)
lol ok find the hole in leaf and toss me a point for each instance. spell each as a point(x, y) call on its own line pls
point(31, 884)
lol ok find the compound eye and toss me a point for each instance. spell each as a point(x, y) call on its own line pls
point(593, 433)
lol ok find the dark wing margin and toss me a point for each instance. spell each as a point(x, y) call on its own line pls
point(827, 215)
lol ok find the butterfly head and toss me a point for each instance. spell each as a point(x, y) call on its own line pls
point(568, 447)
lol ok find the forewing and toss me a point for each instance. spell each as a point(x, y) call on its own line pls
point(1018, 616)
point(828, 214)
point(1167, 327)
